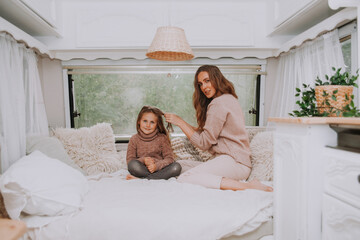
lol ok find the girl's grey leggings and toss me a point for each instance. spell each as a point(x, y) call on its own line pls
point(138, 169)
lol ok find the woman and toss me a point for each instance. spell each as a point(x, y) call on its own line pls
point(221, 130)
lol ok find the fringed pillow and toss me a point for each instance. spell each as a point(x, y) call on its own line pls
point(92, 149)
point(261, 148)
point(122, 157)
point(253, 130)
point(187, 155)
point(184, 150)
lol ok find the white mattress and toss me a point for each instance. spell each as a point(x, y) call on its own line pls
point(116, 208)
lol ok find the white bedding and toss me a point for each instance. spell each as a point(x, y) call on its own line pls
point(158, 209)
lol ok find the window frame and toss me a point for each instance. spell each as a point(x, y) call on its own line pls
point(349, 30)
point(222, 62)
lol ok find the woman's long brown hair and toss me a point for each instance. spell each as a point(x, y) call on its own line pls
point(221, 85)
point(160, 123)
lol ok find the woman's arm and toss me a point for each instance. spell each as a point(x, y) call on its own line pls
point(178, 121)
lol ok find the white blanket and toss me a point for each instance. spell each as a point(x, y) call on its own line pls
point(158, 209)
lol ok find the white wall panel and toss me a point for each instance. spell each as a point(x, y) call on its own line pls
point(132, 24)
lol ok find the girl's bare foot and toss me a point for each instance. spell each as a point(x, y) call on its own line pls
point(130, 177)
point(256, 184)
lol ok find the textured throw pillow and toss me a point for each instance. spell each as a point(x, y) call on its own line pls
point(261, 148)
point(253, 130)
point(42, 186)
point(93, 149)
point(122, 157)
point(184, 150)
point(51, 147)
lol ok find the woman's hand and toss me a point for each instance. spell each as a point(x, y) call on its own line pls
point(178, 121)
point(150, 164)
point(173, 119)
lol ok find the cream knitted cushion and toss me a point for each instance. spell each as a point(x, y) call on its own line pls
point(93, 149)
point(253, 130)
point(184, 150)
point(122, 157)
point(261, 157)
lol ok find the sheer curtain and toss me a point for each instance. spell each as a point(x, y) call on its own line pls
point(36, 119)
point(20, 111)
point(303, 65)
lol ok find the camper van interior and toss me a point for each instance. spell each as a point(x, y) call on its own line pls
point(74, 75)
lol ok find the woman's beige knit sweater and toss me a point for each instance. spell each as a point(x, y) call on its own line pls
point(224, 131)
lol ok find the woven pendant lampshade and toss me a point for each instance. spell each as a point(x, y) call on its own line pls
point(170, 44)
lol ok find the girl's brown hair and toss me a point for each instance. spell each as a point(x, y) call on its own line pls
point(160, 123)
point(221, 85)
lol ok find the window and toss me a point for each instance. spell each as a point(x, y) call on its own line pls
point(346, 49)
point(348, 40)
point(348, 35)
point(115, 94)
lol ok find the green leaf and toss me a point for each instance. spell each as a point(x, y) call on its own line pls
point(347, 114)
point(333, 97)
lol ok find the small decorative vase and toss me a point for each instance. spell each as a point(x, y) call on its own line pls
point(333, 98)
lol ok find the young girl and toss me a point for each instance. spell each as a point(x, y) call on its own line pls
point(149, 154)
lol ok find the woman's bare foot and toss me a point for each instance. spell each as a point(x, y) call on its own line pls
point(130, 177)
point(256, 184)
point(231, 184)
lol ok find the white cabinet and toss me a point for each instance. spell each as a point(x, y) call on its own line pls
point(291, 17)
point(341, 200)
point(35, 17)
point(44, 8)
point(285, 9)
point(316, 188)
point(298, 174)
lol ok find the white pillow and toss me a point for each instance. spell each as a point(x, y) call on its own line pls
point(51, 147)
point(42, 186)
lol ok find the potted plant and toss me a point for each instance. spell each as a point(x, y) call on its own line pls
point(330, 98)
point(333, 95)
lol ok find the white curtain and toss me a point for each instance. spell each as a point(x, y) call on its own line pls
point(20, 112)
point(36, 119)
point(303, 65)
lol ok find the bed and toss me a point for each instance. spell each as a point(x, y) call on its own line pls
point(104, 205)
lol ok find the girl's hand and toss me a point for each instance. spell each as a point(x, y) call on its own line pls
point(173, 118)
point(150, 164)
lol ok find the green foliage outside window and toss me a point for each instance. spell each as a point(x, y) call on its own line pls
point(117, 98)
